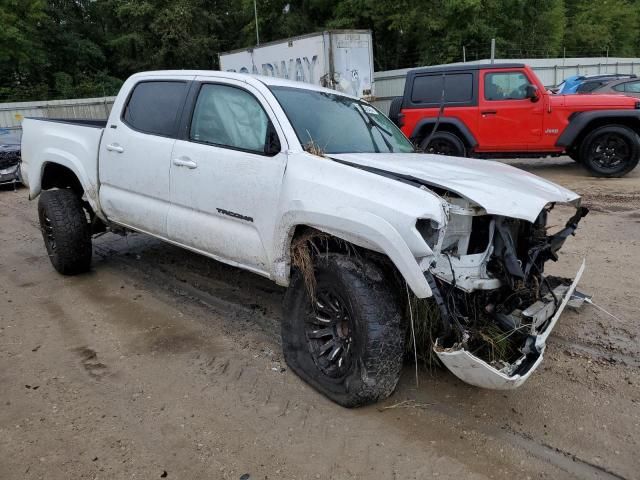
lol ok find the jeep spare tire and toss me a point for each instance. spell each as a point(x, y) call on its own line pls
point(610, 151)
point(394, 110)
point(443, 143)
point(347, 343)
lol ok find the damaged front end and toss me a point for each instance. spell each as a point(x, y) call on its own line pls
point(497, 306)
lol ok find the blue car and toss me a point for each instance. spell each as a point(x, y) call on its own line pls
point(587, 83)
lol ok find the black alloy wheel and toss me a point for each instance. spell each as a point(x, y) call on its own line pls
point(328, 329)
point(610, 151)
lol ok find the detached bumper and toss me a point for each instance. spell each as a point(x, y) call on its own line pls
point(476, 371)
point(10, 174)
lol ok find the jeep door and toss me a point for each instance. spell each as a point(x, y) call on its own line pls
point(225, 186)
point(508, 119)
point(135, 154)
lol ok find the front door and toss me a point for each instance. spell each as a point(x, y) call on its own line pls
point(508, 120)
point(135, 155)
point(224, 187)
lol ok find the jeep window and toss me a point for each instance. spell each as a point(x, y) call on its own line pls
point(338, 124)
point(458, 88)
point(153, 107)
point(229, 117)
point(505, 86)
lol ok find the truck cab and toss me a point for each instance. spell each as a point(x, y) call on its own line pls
point(499, 110)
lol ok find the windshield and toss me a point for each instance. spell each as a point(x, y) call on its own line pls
point(328, 123)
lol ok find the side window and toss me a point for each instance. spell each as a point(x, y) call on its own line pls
point(458, 88)
point(505, 86)
point(619, 87)
point(229, 117)
point(153, 107)
point(633, 87)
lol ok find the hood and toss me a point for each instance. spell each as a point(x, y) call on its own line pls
point(594, 100)
point(500, 189)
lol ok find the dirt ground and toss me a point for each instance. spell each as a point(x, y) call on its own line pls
point(164, 364)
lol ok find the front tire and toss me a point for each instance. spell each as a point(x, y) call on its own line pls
point(610, 151)
point(349, 344)
point(443, 143)
point(65, 230)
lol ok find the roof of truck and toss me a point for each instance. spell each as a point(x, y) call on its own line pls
point(465, 67)
point(244, 77)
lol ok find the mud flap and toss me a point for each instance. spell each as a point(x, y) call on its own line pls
point(473, 370)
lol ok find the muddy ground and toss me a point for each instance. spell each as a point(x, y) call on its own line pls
point(163, 364)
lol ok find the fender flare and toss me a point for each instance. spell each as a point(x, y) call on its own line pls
point(581, 120)
point(464, 131)
point(361, 228)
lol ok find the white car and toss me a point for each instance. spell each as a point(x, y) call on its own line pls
point(252, 170)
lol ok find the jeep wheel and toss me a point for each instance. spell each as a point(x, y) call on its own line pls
point(65, 230)
point(349, 343)
point(443, 143)
point(610, 151)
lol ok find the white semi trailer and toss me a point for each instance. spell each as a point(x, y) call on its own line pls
point(337, 59)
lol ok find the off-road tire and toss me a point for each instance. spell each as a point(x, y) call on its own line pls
point(628, 150)
point(65, 230)
point(376, 328)
point(394, 110)
point(443, 143)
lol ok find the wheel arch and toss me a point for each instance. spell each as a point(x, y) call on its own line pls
point(62, 173)
point(55, 175)
point(447, 124)
point(583, 123)
point(375, 236)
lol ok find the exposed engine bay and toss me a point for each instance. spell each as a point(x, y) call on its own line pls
point(496, 304)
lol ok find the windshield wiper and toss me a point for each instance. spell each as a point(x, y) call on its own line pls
point(374, 123)
point(369, 129)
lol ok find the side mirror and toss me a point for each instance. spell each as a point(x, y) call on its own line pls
point(531, 92)
point(272, 142)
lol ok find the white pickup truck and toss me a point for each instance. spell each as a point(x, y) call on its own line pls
point(321, 193)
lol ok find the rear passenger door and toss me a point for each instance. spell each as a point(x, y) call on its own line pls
point(135, 154)
point(224, 187)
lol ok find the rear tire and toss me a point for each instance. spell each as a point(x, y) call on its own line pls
point(443, 143)
point(610, 151)
point(65, 230)
point(349, 345)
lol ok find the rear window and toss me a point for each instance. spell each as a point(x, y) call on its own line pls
point(458, 88)
point(153, 107)
point(590, 86)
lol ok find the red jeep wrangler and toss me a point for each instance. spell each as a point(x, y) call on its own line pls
point(503, 110)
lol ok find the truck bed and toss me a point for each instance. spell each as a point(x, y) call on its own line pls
point(73, 144)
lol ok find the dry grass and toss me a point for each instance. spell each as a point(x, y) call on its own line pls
point(426, 326)
point(313, 148)
point(303, 249)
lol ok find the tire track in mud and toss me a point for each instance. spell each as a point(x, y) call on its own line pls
point(177, 285)
point(596, 352)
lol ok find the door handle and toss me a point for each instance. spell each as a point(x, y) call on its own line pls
point(185, 162)
point(114, 147)
point(489, 112)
